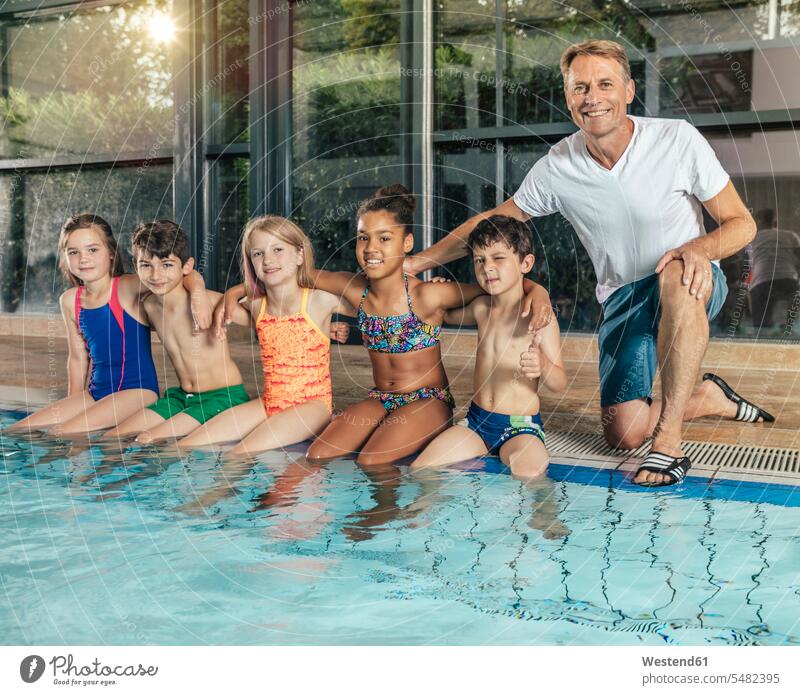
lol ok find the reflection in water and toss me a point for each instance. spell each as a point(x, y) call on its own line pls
point(384, 480)
point(460, 556)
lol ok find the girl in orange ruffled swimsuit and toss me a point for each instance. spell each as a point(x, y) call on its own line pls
point(292, 322)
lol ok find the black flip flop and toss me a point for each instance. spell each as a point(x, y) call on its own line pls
point(675, 467)
point(746, 411)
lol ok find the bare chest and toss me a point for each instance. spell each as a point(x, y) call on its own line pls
point(176, 331)
point(501, 341)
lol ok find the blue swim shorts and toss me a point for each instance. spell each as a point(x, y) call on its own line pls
point(627, 337)
point(496, 429)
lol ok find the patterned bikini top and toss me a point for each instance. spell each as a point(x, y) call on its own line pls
point(403, 333)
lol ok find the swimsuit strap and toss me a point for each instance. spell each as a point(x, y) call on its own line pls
point(304, 313)
point(78, 306)
point(361, 303)
point(263, 308)
point(408, 294)
point(115, 306)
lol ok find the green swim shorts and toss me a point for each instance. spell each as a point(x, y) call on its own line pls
point(200, 406)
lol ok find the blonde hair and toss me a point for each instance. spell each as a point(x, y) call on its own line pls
point(88, 220)
point(595, 47)
point(288, 232)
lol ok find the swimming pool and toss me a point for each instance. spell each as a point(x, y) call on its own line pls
point(104, 548)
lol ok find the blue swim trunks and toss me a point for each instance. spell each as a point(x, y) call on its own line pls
point(496, 428)
point(627, 337)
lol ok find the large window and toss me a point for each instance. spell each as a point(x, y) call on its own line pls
point(227, 71)
point(226, 174)
point(38, 203)
point(230, 210)
point(86, 124)
point(346, 138)
point(210, 111)
point(730, 68)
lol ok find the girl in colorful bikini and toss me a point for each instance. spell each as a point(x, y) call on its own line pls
point(110, 367)
point(400, 318)
point(292, 322)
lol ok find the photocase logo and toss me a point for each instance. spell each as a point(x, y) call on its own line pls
point(31, 668)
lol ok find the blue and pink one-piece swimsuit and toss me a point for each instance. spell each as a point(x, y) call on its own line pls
point(118, 345)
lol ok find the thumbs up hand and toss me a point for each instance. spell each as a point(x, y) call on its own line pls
point(530, 361)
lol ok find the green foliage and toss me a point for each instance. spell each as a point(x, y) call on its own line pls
point(87, 81)
point(371, 23)
point(79, 123)
point(346, 140)
point(229, 105)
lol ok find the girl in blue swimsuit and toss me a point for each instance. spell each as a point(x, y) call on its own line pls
point(110, 367)
point(400, 318)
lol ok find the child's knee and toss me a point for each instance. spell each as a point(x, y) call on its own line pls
point(145, 437)
point(422, 463)
point(320, 452)
point(238, 451)
point(375, 458)
point(528, 463)
point(111, 434)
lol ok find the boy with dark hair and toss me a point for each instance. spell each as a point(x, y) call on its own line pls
point(503, 417)
point(209, 379)
point(161, 238)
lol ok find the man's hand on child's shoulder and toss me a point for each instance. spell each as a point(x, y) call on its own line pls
point(536, 302)
point(530, 362)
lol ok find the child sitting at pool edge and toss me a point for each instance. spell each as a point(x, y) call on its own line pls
point(209, 380)
point(510, 367)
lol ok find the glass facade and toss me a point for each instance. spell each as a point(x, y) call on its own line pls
point(464, 65)
point(227, 71)
point(86, 81)
point(215, 110)
point(729, 68)
point(231, 208)
point(40, 201)
point(346, 98)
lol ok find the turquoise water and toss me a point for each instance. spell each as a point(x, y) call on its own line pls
point(100, 547)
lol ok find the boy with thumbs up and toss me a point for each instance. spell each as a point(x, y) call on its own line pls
point(510, 365)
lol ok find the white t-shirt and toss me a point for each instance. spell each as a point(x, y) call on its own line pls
point(630, 216)
point(773, 255)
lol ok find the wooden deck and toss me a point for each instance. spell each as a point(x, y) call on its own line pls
point(767, 373)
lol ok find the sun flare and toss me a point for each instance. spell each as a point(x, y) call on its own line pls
point(161, 27)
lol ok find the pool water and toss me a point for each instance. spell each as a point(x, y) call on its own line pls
point(148, 547)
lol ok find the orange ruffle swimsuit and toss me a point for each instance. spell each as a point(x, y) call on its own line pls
point(295, 355)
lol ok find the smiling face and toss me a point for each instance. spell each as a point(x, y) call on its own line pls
point(274, 260)
point(381, 243)
point(161, 275)
point(598, 94)
point(88, 256)
point(498, 268)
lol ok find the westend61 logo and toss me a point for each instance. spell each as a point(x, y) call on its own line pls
point(65, 672)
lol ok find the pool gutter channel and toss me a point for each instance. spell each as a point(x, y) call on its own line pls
point(709, 459)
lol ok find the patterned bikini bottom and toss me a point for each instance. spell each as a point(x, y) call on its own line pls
point(392, 401)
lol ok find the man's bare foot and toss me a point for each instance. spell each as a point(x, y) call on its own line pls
point(715, 400)
point(745, 411)
point(659, 469)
